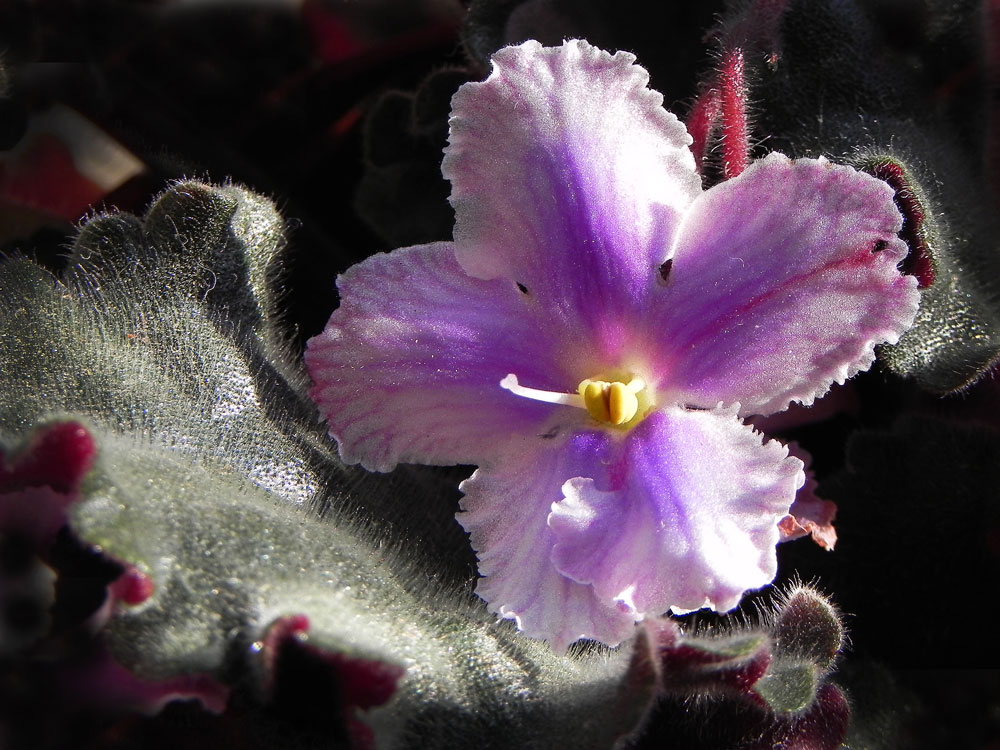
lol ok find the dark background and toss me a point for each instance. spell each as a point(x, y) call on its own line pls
point(338, 111)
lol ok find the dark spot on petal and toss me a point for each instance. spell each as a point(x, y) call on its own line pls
point(919, 260)
point(554, 432)
point(522, 287)
point(879, 246)
point(665, 269)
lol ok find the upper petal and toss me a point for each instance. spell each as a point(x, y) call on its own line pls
point(568, 176)
point(783, 281)
point(689, 520)
point(505, 508)
point(408, 368)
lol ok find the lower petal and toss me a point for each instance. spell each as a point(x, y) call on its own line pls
point(690, 521)
point(504, 510)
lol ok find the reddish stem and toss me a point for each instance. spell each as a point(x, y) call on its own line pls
point(735, 133)
point(702, 122)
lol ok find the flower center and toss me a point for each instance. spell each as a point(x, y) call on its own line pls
point(619, 401)
point(612, 402)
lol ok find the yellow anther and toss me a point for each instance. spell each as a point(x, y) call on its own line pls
point(622, 403)
point(594, 398)
point(613, 403)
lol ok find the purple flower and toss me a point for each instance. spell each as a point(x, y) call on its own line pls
point(595, 335)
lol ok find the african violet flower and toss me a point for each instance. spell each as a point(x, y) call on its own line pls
point(595, 335)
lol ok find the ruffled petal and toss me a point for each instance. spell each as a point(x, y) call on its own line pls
point(690, 518)
point(504, 510)
point(813, 516)
point(569, 177)
point(408, 368)
point(809, 514)
point(782, 282)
